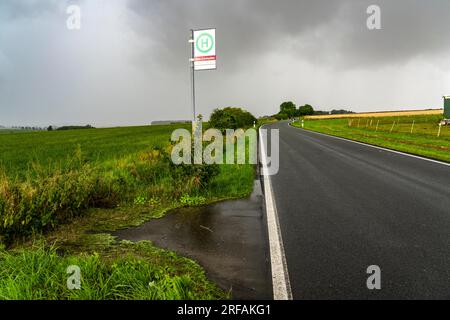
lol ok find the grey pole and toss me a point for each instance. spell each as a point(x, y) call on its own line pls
point(193, 74)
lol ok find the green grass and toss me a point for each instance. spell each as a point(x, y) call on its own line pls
point(18, 150)
point(422, 141)
point(140, 272)
point(72, 187)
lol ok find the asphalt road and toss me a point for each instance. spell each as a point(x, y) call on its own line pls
point(343, 207)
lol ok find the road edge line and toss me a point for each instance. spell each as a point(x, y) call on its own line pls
point(280, 276)
point(374, 146)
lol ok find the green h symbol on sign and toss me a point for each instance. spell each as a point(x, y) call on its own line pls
point(205, 43)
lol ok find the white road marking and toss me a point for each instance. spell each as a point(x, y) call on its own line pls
point(376, 147)
point(280, 277)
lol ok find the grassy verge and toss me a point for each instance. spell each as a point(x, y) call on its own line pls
point(67, 190)
point(129, 271)
point(415, 134)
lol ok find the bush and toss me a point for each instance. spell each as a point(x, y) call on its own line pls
point(305, 110)
point(281, 116)
point(40, 204)
point(289, 109)
point(231, 118)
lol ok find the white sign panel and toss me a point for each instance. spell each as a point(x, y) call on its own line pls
point(205, 49)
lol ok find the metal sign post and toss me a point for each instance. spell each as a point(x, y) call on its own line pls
point(192, 73)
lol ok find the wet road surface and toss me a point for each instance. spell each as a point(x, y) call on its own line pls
point(344, 206)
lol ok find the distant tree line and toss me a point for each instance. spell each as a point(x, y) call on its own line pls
point(289, 110)
point(29, 128)
point(74, 127)
point(340, 111)
point(49, 128)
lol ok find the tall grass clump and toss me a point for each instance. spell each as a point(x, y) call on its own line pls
point(45, 198)
point(41, 273)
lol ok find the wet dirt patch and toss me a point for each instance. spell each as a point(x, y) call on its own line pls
point(228, 239)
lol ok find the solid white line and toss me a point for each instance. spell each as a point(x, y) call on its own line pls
point(280, 277)
point(376, 147)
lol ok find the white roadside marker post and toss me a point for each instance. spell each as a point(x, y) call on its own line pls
point(439, 130)
point(412, 126)
point(392, 128)
point(378, 122)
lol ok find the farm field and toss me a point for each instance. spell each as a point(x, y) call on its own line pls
point(63, 191)
point(412, 134)
point(19, 149)
point(406, 113)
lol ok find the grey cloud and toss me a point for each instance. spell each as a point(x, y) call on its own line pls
point(25, 9)
point(254, 27)
point(129, 63)
point(247, 29)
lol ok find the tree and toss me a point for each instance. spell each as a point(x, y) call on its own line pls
point(306, 110)
point(281, 116)
point(288, 108)
point(50, 128)
point(231, 118)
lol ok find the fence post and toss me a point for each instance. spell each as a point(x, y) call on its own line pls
point(392, 128)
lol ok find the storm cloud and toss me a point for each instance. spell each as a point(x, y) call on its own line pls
point(129, 62)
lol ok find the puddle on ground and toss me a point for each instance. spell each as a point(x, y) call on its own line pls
point(228, 239)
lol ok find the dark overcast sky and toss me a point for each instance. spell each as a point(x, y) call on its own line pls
point(128, 65)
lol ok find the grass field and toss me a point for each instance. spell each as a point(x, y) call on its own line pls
point(412, 134)
point(67, 189)
point(19, 149)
